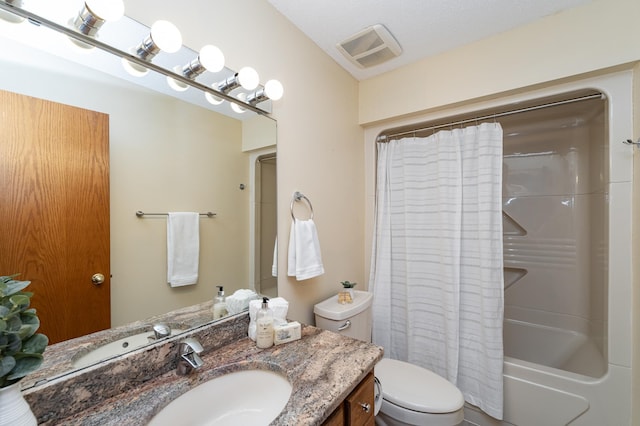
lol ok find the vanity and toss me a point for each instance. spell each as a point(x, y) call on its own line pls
point(324, 369)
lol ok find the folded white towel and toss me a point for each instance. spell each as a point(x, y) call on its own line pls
point(305, 260)
point(183, 248)
point(278, 305)
point(239, 300)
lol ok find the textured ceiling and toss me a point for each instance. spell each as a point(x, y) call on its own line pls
point(422, 27)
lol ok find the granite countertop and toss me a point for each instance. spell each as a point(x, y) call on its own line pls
point(323, 368)
point(59, 358)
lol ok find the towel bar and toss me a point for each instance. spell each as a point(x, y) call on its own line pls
point(297, 196)
point(140, 213)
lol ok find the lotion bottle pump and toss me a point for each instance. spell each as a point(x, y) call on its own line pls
point(220, 304)
point(264, 325)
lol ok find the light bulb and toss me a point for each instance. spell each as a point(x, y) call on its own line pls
point(273, 89)
point(237, 108)
point(213, 99)
point(176, 85)
point(108, 10)
point(134, 69)
point(211, 58)
point(248, 78)
point(166, 36)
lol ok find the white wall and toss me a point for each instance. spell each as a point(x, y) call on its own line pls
point(319, 140)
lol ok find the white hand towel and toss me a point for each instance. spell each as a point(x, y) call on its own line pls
point(305, 260)
point(183, 248)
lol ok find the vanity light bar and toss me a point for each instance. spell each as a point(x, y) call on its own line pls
point(79, 37)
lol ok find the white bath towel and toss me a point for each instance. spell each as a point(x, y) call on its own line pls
point(183, 248)
point(305, 260)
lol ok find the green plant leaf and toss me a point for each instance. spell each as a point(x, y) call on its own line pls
point(13, 286)
point(13, 324)
point(20, 301)
point(35, 344)
point(14, 344)
point(25, 365)
point(26, 331)
point(6, 365)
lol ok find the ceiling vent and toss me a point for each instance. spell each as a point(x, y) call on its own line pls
point(371, 46)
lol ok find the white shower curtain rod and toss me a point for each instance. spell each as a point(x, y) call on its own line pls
point(387, 138)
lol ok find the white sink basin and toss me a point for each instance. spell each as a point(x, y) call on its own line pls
point(247, 398)
point(117, 347)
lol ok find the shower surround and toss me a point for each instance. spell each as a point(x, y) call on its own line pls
point(567, 252)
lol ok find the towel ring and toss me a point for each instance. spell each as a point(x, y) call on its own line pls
point(297, 196)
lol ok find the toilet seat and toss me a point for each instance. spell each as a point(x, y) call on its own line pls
point(415, 388)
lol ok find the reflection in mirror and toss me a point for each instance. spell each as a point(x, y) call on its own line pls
point(163, 155)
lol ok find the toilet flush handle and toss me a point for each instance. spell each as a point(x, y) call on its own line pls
point(344, 326)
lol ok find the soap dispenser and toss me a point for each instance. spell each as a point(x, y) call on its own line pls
point(264, 325)
point(220, 304)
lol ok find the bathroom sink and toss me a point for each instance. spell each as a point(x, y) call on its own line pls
point(118, 347)
point(248, 398)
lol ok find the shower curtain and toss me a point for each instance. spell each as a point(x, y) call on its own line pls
point(436, 270)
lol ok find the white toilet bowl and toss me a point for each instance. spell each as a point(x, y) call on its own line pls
point(413, 395)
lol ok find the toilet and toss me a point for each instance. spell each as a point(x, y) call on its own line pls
point(411, 395)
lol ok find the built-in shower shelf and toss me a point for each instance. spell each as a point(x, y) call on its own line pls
point(512, 276)
point(511, 227)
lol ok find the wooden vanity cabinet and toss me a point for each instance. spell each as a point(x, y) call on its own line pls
point(357, 408)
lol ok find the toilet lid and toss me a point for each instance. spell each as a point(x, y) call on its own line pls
point(417, 388)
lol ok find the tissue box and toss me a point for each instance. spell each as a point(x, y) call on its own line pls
point(288, 332)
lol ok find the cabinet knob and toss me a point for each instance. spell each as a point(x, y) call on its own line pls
point(365, 406)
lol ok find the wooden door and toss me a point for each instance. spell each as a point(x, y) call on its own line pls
point(54, 211)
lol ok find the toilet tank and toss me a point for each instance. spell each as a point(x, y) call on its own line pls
point(350, 319)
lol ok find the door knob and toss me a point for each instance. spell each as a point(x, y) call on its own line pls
point(97, 279)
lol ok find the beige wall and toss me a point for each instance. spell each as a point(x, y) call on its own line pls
point(588, 38)
point(258, 132)
point(635, 362)
point(319, 140)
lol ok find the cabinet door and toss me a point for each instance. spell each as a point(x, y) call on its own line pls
point(359, 404)
point(336, 418)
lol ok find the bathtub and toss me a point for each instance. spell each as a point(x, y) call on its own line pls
point(553, 347)
point(555, 377)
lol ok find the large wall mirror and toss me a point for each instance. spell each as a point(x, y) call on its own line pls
point(164, 155)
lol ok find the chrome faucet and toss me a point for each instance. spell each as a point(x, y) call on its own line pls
point(160, 331)
point(188, 359)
